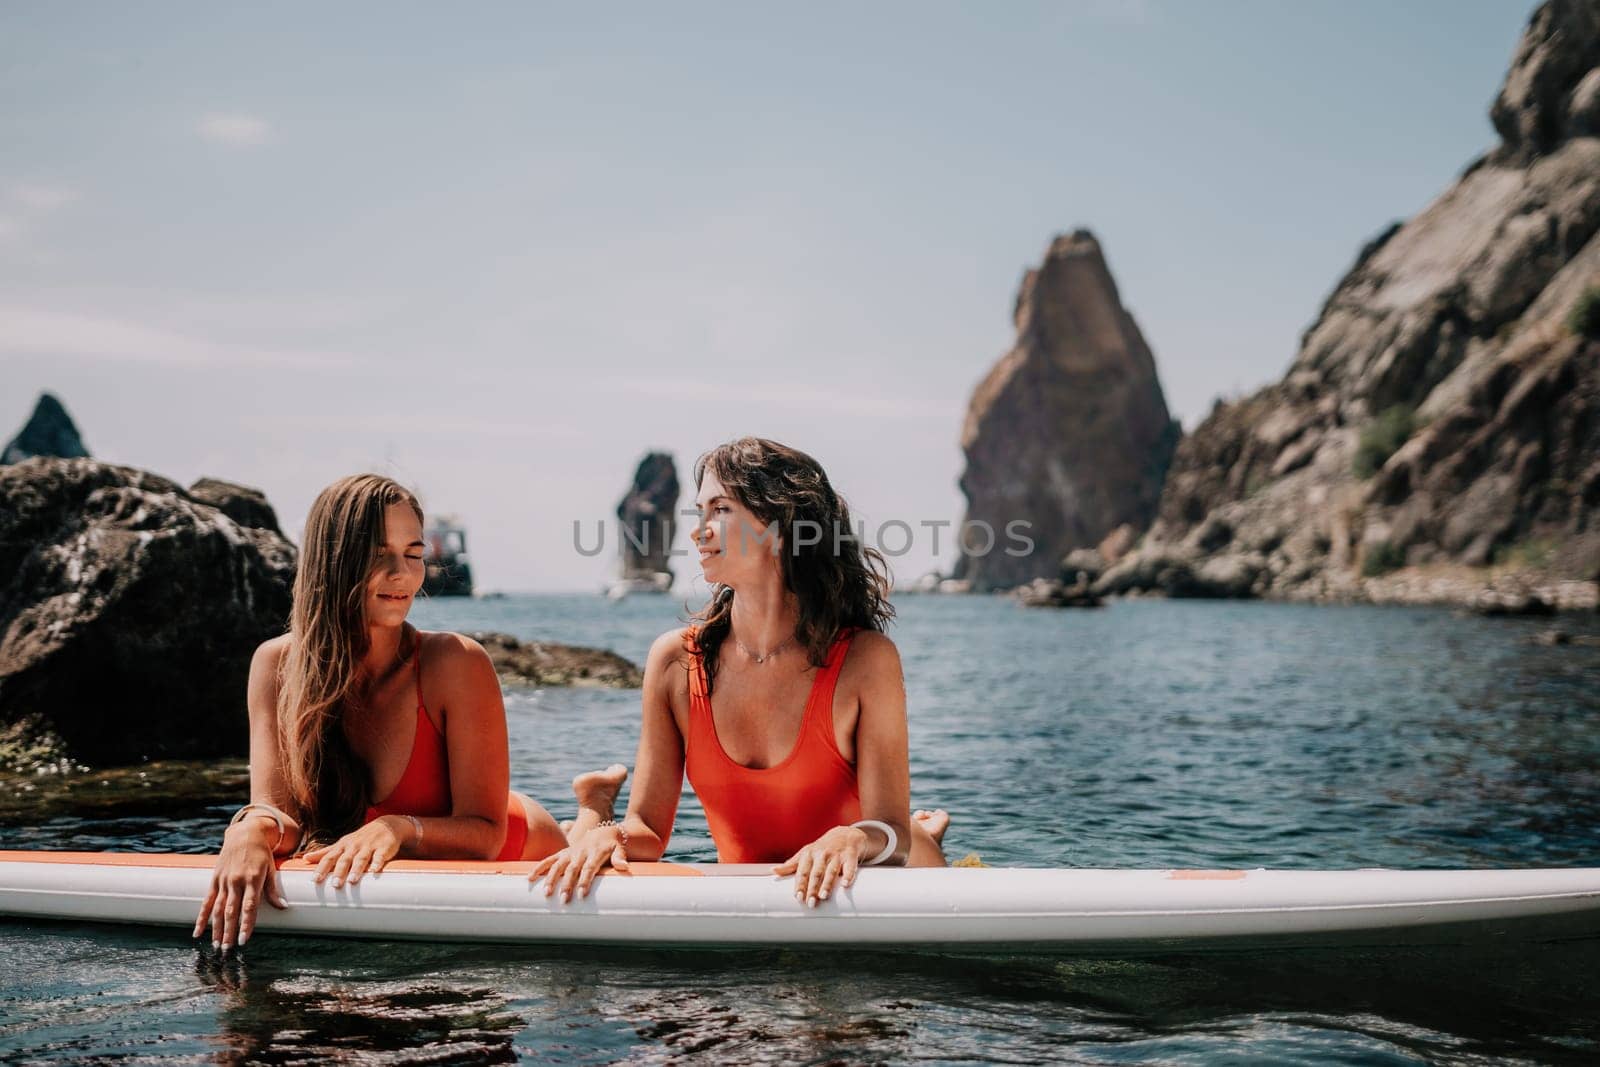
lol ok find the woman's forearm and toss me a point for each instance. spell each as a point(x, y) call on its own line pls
point(448, 837)
point(644, 844)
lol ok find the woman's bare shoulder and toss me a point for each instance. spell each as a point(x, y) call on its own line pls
point(269, 654)
point(668, 651)
point(872, 654)
point(451, 653)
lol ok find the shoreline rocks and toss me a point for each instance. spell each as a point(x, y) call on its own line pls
point(545, 663)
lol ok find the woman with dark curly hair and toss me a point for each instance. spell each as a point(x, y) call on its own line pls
point(784, 702)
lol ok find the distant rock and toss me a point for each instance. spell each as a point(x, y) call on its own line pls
point(544, 663)
point(1069, 431)
point(129, 611)
point(1082, 565)
point(1440, 413)
point(647, 517)
point(1053, 593)
point(49, 431)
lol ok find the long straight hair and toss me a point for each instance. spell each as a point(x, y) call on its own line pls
point(319, 677)
point(839, 582)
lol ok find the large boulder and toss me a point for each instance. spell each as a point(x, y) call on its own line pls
point(49, 431)
point(1069, 431)
point(1441, 412)
point(129, 610)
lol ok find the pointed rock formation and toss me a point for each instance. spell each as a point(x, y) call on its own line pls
point(647, 515)
point(49, 431)
point(1069, 432)
point(1442, 413)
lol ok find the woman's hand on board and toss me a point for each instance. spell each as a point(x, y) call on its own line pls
point(243, 875)
point(831, 859)
point(361, 850)
point(575, 866)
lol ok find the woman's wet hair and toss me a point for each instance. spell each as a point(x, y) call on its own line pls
point(319, 679)
point(838, 581)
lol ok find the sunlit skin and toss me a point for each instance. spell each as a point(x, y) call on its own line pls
point(462, 697)
point(758, 708)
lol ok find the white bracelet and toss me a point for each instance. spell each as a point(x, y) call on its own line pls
point(888, 849)
point(416, 824)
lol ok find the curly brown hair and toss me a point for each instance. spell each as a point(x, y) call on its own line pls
point(839, 582)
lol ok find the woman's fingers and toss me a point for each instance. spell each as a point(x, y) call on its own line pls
point(852, 863)
point(247, 914)
point(819, 868)
point(570, 880)
point(325, 866)
point(274, 891)
point(591, 867)
point(341, 870)
point(788, 866)
point(381, 858)
point(205, 910)
point(830, 874)
point(219, 916)
point(619, 858)
point(545, 864)
point(557, 869)
point(359, 865)
point(802, 873)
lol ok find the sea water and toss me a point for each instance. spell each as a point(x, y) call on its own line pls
point(1145, 734)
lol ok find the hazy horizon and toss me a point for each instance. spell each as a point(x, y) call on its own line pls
point(501, 254)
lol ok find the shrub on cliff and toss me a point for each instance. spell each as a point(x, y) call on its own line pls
point(1584, 318)
point(1382, 438)
point(1381, 558)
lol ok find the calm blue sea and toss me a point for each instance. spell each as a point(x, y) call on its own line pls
point(1147, 734)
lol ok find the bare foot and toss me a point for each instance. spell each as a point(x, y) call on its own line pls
point(936, 822)
point(597, 790)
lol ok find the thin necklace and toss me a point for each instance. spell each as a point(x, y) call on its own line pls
point(773, 651)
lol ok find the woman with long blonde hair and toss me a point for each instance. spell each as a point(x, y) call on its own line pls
point(370, 739)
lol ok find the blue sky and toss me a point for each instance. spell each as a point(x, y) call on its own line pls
point(501, 251)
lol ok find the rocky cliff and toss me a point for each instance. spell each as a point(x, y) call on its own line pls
point(1069, 431)
point(49, 431)
point(647, 516)
point(1439, 431)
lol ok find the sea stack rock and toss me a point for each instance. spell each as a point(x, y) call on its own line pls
point(49, 431)
point(646, 517)
point(129, 610)
point(1069, 432)
point(1440, 425)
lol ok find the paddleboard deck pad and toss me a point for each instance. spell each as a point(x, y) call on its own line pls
point(1013, 909)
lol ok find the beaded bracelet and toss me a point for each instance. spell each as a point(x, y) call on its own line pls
point(621, 832)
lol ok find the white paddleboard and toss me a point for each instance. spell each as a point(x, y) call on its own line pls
point(1036, 910)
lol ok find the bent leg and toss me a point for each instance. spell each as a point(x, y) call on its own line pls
point(927, 838)
point(597, 797)
point(544, 836)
